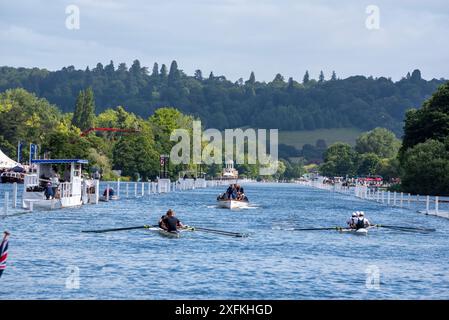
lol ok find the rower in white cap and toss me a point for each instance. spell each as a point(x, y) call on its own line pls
point(353, 220)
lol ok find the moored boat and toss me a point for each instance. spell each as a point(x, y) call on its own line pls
point(11, 177)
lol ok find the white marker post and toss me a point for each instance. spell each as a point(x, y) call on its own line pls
point(97, 191)
point(6, 203)
point(14, 195)
point(436, 205)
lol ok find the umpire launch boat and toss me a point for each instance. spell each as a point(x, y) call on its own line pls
point(232, 204)
point(44, 188)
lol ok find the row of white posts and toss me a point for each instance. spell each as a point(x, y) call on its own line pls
point(6, 199)
point(131, 188)
point(140, 189)
point(395, 199)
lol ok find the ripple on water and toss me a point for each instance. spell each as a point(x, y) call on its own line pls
point(270, 264)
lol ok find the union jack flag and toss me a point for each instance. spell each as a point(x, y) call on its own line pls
point(3, 253)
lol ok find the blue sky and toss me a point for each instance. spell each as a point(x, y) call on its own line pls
point(231, 37)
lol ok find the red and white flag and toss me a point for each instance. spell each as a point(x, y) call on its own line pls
point(3, 252)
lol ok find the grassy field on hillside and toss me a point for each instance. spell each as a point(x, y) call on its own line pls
point(299, 138)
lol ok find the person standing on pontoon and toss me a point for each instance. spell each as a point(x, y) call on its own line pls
point(54, 179)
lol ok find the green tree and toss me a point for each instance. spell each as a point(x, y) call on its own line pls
point(155, 72)
point(84, 115)
point(163, 74)
point(306, 77)
point(79, 109)
point(135, 154)
point(65, 143)
point(174, 75)
point(8, 148)
point(164, 121)
point(368, 164)
point(339, 160)
point(379, 141)
point(389, 168)
point(25, 117)
point(429, 122)
point(198, 75)
point(88, 116)
point(334, 76)
point(426, 168)
point(252, 79)
point(321, 77)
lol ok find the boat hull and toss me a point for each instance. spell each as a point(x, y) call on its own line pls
point(38, 201)
point(358, 232)
point(232, 204)
point(169, 234)
point(111, 198)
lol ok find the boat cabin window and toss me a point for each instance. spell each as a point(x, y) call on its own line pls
point(77, 171)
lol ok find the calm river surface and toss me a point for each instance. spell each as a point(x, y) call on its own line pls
point(45, 247)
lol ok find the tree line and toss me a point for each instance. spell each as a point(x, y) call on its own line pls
point(286, 104)
point(25, 117)
point(421, 160)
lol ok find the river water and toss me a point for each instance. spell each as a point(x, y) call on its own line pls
point(50, 258)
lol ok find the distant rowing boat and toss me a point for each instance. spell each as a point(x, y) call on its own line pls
point(111, 198)
point(232, 204)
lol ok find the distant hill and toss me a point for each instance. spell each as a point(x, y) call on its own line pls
point(356, 102)
point(298, 139)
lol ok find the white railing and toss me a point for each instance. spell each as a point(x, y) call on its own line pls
point(31, 180)
point(430, 205)
point(65, 189)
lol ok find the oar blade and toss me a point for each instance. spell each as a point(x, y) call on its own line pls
point(406, 228)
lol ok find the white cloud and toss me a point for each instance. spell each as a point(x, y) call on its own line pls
point(233, 37)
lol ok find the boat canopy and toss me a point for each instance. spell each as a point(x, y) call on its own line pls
point(59, 161)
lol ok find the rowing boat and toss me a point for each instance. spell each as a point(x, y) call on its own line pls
point(111, 198)
point(359, 232)
point(169, 234)
point(232, 204)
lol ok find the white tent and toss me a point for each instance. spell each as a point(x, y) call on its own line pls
point(6, 162)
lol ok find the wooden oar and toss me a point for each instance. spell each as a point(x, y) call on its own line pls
point(313, 229)
point(222, 232)
point(404, 228)
point(116, 229)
